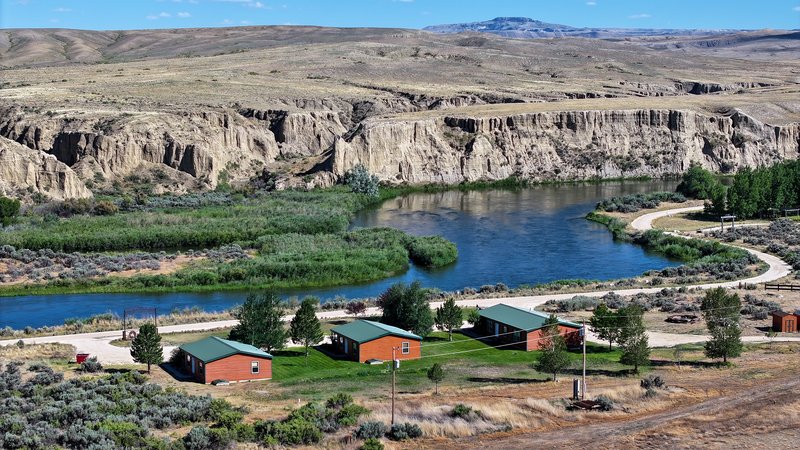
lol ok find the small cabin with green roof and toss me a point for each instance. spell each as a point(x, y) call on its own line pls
point(215, 358)
point(512, 327)
point(364, 340)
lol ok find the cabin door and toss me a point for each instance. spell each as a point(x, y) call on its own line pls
point(193, 365)
point(790, 326)
point(346, 351)
point(496, 329)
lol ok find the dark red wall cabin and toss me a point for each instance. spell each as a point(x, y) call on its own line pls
point(214, 358)
point(784, 322)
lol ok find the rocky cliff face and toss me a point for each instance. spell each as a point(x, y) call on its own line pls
point(24, 171)
point(561, 145)
point(327, 138)
point(111, 145)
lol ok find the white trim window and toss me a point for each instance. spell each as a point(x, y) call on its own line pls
point(254, 367)
point(405, 348)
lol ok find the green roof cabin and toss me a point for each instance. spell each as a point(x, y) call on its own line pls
point(365, 340)
point(214, 358)
point(518, 328)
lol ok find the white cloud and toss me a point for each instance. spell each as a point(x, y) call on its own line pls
point(54, 20)
point(62, 10)
point(640, 16)
point(249, 3)
point(796, 8)
point(160, 15)
point(245, 22)
point(184, 15)
point(403, 1)
point(591, 3)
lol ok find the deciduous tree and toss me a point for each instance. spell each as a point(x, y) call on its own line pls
point(355, 308)
point(407, 307)
point(449, 317)
point(260, 322)
point(605, 323)
point(722, 312)
point(554, 357)
point(9, 208)
point(633, 337)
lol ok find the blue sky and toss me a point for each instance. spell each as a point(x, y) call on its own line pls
point(139, 14)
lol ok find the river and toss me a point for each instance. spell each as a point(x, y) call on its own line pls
point(516, 237)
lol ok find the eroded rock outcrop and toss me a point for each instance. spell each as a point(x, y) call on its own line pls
point(201, 144)
point(24, 171)
point(561, 145)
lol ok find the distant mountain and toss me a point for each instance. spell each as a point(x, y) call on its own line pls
point(523, 27)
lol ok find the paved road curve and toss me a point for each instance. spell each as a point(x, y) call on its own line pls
point(98, 344)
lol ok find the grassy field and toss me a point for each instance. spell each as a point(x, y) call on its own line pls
point(695, 221)
point(466, 361)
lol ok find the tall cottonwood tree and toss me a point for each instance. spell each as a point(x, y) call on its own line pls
point(261, 322)
point(407, 307)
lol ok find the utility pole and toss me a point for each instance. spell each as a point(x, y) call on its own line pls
point(394, 365)
point(583, 384)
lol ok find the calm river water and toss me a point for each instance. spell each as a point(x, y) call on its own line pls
point(525, 236)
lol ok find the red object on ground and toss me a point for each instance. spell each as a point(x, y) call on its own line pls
point(81, 357)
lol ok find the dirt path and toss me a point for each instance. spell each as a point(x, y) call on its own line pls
point(98, 344)
point(604, 435)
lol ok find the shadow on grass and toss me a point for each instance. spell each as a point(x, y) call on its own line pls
point(326, 349)
point(695, 364)
point(603, 372)
point(175, 372)
point(437, 338)
point(506, 380)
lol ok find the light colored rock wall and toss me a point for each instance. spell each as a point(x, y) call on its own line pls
point(562, 145)
point(23, 171)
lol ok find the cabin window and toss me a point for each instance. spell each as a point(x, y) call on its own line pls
point(406, 348)
point(254, 367)
point(200, 364)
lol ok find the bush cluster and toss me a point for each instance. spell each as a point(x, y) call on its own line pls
point(47, 265)
point(758, 309)
point(432, 251)
point(665, 300)
point(307, 424)
point(702, 256)
point(403, 431)
point(653, 382)
point(781, 237)
point(114, 411)
point(636, 202)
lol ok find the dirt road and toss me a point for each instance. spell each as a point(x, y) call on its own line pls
point(617, 434)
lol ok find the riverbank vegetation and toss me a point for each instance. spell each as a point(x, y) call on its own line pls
point(285, 239)
point(636, 202)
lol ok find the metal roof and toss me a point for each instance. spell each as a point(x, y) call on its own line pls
point(366, 330)
point(213, 348)
point(521, 319)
